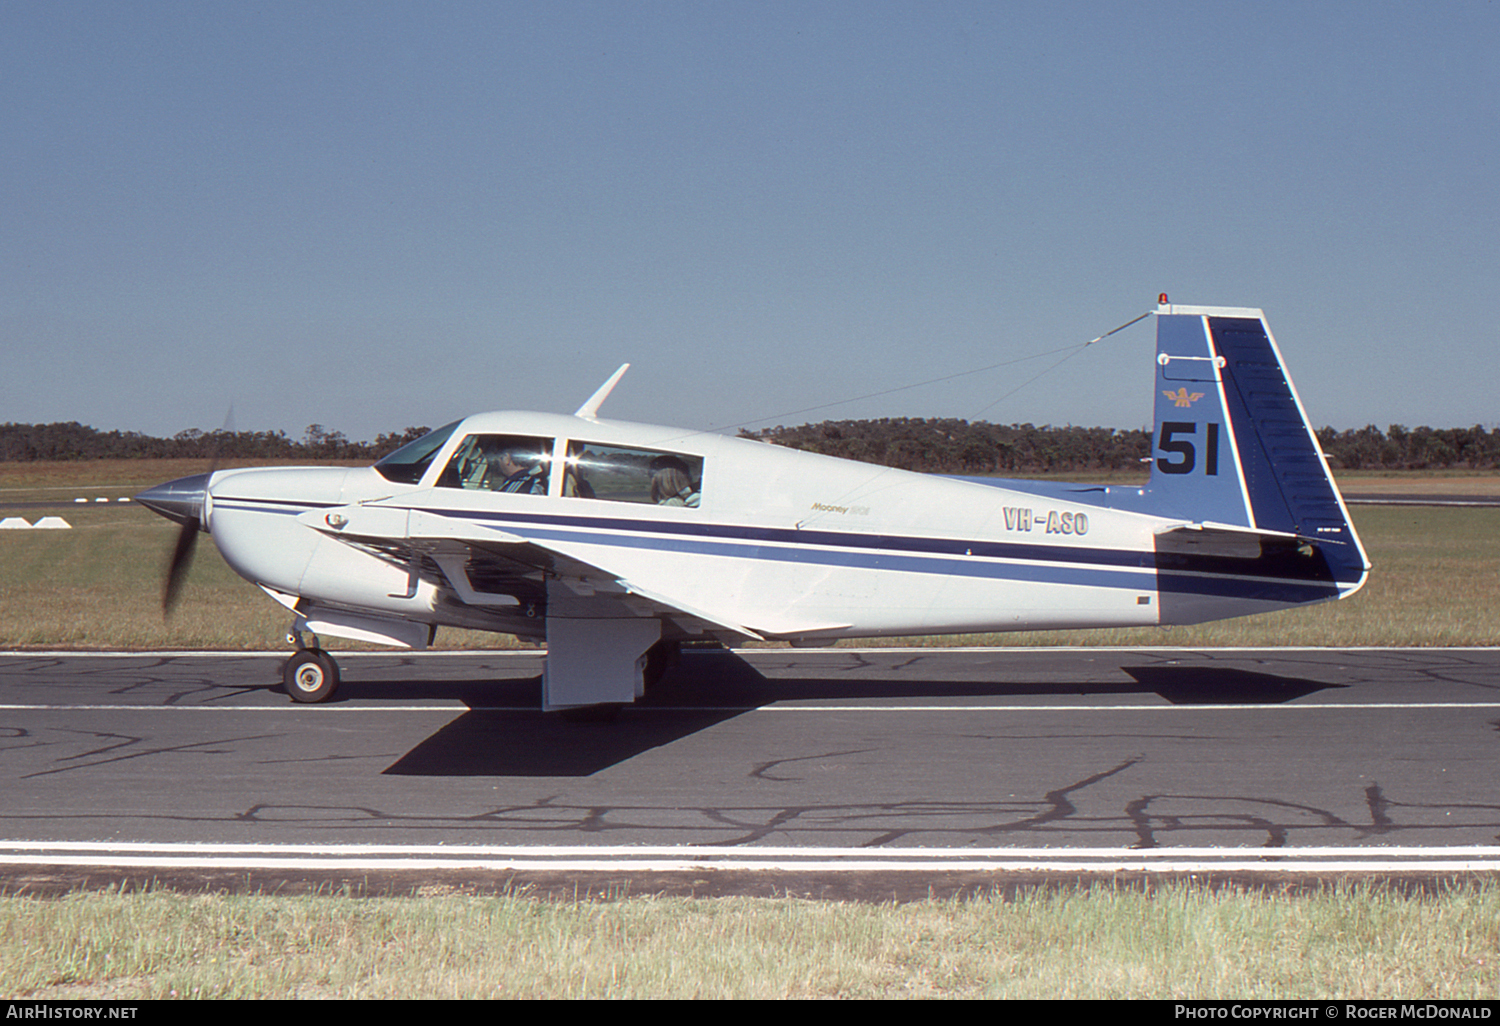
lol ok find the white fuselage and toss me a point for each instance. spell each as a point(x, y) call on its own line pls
point(782, 543)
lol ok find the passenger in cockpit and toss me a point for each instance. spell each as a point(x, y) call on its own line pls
point(670, 483)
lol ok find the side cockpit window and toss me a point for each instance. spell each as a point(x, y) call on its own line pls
point(407, 464)
point(500, 463)
point(622, 474)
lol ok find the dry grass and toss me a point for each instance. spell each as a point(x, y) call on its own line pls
point(1180, 942)
point(43, 479)
point(1355, 483)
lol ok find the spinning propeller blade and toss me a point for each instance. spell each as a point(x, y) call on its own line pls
point(183, 501)
point(182, 558)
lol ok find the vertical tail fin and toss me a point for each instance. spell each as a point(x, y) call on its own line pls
point(1232, 445)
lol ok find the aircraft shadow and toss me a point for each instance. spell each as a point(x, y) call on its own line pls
point(487, 743)
point(709, 688)
point(1223, 685)
point(716, 678)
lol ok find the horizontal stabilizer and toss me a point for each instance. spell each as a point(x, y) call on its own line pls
point(1211, 533)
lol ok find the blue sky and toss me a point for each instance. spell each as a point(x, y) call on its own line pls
point(375, 214)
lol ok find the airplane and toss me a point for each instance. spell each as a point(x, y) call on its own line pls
point(615, 543)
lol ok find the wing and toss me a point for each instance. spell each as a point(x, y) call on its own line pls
point(521, 569)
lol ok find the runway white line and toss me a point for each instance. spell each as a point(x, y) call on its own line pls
point(707, 851)
point(696, 866)
point(680, 858)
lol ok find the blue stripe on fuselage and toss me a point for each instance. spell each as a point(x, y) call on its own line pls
point(281, 506)
point(1051, 564)
point(1090, 566)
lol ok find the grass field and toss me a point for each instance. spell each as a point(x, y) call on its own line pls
point(1180, 941)
point(1435, 582)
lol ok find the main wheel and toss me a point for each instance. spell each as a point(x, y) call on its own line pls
point(311, 675)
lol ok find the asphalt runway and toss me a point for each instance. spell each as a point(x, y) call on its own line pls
point(917, 761)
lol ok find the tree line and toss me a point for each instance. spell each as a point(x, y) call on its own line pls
point(963, 447)
point(73, 441)
point(945, 446)
point(932, 445)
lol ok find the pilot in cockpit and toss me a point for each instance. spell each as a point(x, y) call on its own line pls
point(497, 463)
point(525, 471)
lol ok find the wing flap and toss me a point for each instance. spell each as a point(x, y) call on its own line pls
point(670, 603)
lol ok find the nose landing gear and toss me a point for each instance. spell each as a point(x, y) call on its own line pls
point(310, 675)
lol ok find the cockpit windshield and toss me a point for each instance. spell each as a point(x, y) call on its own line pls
point(407, 464)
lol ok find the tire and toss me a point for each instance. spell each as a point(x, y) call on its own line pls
point(310, 676)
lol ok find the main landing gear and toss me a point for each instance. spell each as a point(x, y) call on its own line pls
point(310, 675)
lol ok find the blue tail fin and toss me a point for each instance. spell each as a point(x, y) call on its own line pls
point(1232, 445)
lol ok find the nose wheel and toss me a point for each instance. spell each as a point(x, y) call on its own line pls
point(310, 675)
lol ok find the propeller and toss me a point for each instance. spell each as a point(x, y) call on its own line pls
point(183, 501)
point(182, 559)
